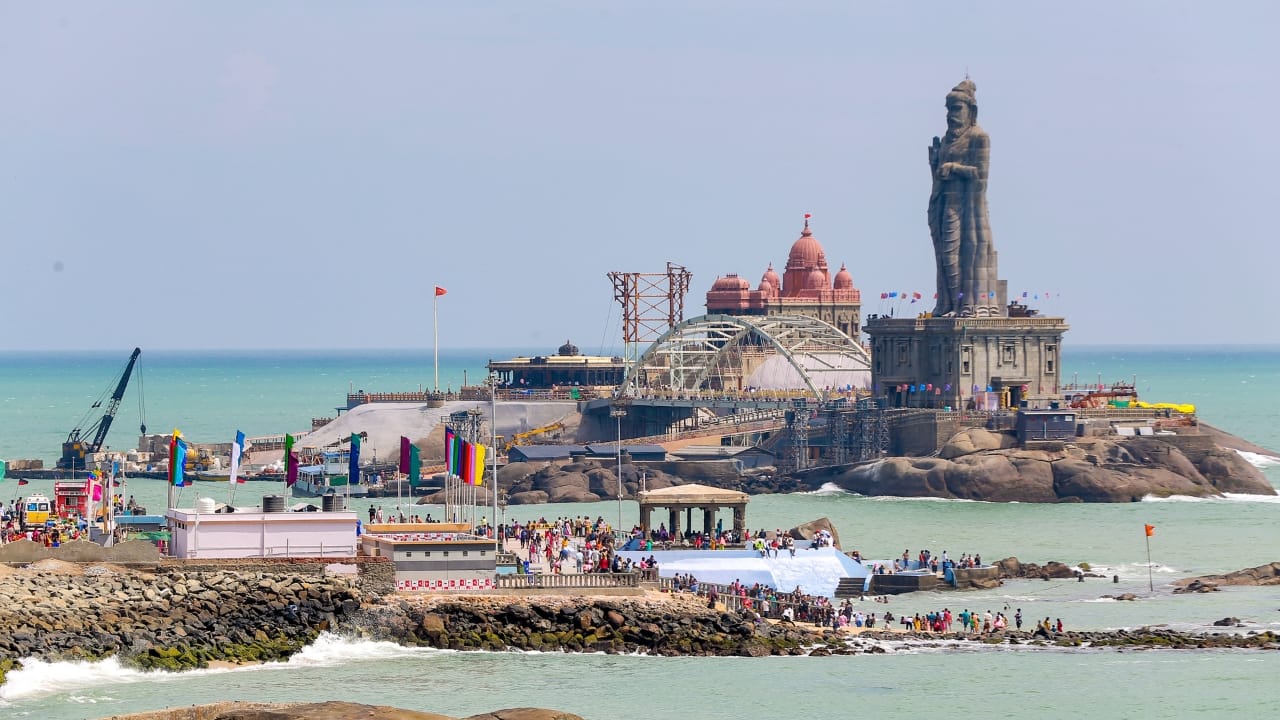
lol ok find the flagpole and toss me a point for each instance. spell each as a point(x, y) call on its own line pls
point(1151, 582)
point(435, 338)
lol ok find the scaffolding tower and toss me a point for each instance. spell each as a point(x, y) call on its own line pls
point(652, 304)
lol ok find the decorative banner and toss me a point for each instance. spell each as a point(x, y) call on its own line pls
point(237, 450)
point(290, 461)
point(178, 460)
point(480, 452)
point(450, 440)
point(353, 463)
point(404, 455)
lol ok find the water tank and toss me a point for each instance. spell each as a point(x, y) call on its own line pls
point(333, 503)
point(272, 503)
point(206, 506)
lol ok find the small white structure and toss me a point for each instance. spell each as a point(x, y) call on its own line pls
point(204, 533)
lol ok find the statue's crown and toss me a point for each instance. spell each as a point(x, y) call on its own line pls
point(966, 91)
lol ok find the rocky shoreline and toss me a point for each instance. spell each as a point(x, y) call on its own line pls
point(173, 620)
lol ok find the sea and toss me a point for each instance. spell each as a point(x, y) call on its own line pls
point(209, 395)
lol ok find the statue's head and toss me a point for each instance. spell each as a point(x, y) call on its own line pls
point(962, 106)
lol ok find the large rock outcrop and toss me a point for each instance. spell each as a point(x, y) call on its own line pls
point(981, 465)
point(331, 710)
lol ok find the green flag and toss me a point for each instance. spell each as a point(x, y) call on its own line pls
point(415, 465)
point(3, 465)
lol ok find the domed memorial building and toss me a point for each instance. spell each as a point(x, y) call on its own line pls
point(805, 288)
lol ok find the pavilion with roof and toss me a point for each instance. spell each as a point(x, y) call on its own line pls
point(689, 498)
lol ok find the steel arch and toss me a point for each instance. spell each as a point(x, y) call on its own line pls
point(688, 353)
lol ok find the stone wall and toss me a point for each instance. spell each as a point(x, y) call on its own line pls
point(921, 433)
point(80, 551)
point(373, 575)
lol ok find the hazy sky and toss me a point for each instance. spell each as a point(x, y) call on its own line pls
point(294, 175)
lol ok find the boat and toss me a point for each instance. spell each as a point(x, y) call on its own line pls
point(211, 475)
point(327, 474)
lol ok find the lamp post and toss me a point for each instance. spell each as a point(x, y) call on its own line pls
point(493, 451)
point(618, 413)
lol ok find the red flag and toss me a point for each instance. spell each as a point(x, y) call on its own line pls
point(1151, 530)
point(807, 216)
point(440, 291)
point(23, 481)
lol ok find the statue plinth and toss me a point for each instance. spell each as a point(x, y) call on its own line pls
point(959, 362)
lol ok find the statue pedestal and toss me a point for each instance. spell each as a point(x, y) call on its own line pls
point(964, 363)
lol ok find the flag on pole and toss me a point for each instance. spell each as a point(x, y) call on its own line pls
point(441, 291)
point(480, 452)
point(237, 450)
point(353, 464)
point(23, 481)
point(415, 465)
point(290, 462)
point(404, 454)
point(177, 460)
point(449, 440)
point(465, 467)
point(1151, 530)
point(3, 465)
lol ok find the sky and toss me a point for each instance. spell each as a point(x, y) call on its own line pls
point(302, 175)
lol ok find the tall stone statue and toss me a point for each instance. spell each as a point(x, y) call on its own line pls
point(966, 256)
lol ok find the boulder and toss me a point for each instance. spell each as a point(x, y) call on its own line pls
point(972, 440)
point(808, 530)
point(1261, 575)
point(1228, 622)
point(531, 497)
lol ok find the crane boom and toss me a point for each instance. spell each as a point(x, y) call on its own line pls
point(75, 448)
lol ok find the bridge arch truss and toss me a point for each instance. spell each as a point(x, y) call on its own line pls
point(720, 352)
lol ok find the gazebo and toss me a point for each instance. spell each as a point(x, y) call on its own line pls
point(690, 497)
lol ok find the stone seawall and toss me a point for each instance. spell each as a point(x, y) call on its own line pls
point(167, 619)
point(662, 625)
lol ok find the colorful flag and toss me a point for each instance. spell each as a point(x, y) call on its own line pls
point(177, 460)
point(1151, 530)
point(353, 464)
point(441, 291)
point(3, 465)
point(290, 462)
point(404, 454)
point(449, 440)
point(415, 464)
point(464, 452)
point(455, 457)
point(480, 452)
point(237, 450)
point(884, 296)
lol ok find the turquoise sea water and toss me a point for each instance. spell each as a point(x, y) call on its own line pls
point(209, 395)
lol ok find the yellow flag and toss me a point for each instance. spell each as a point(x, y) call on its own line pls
point(479, 464)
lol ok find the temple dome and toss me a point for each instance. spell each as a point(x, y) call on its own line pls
point(766, 288)
point(568, 349)
point(817, 280)
point(731, 283)
point(771, 277)
point(807, 251)
point(844, 281)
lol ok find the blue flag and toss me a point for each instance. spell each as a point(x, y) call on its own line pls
point(353, 465)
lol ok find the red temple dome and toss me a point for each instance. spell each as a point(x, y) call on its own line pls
point(731, 283)
point(807, 251)
point(817, 280)
point(844, 281)
point(771, 277)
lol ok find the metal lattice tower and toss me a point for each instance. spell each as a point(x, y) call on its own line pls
point(839, 422)
point(871, 431)
point(799, 448)
point(652, 304)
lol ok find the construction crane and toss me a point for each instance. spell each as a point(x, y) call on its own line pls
point(524, 437)
point(76, 447)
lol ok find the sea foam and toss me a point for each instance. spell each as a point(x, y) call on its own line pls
point(38, 678)
point(1259, 460)
point(826, 489)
